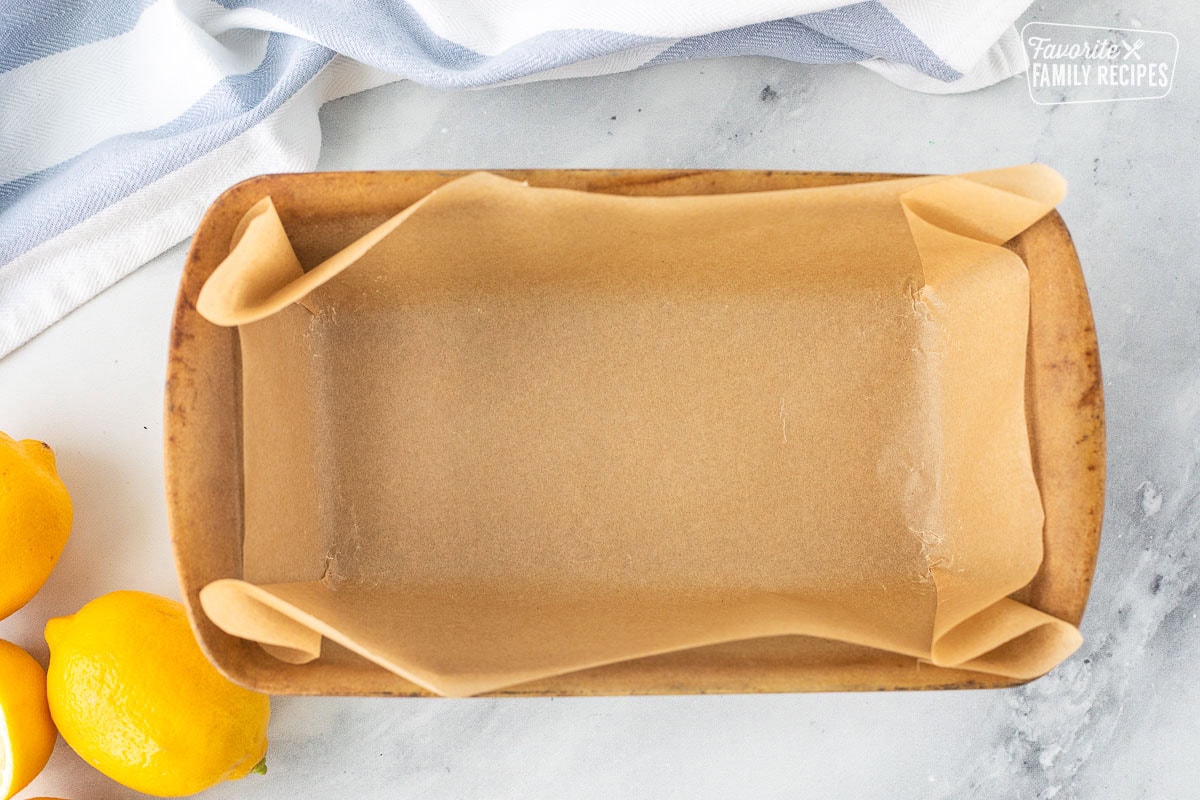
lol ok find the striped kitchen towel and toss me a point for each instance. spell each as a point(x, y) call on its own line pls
point(121, 120)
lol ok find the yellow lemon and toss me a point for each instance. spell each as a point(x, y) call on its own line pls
point(27, 733)
point(133, 695)
point(35, 519)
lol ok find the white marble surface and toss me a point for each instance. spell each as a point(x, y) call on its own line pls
point(1117, 720)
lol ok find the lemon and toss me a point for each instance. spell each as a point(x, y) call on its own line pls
point(35, 519)
point(27, 733)
point(133, 695)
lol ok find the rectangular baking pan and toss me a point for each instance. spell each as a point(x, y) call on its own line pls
point(1064, 405)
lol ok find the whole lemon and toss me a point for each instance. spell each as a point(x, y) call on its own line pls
point(35, 519)
point(27, 734)
point(133, 695)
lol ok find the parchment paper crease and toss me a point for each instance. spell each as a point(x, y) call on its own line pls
point(515, 431)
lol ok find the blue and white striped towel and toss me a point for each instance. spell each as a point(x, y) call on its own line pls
point(121, 120)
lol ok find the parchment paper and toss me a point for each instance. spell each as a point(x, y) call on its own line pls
point(515, 431)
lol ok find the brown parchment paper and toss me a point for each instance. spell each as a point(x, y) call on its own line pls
point(515, 431)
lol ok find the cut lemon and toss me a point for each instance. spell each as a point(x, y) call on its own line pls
point(26, 730)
